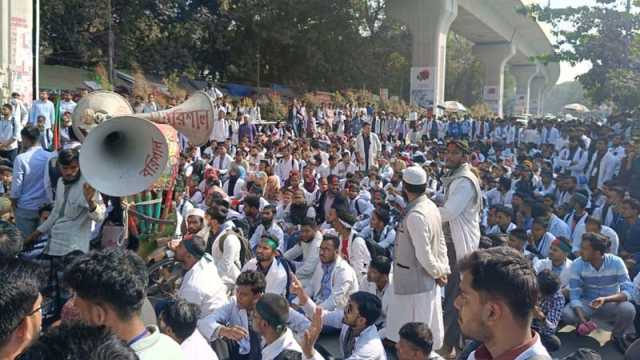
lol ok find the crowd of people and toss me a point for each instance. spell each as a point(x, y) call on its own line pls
point(415, 236)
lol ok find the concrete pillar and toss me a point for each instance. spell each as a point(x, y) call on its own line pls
point(535, 95)
point(428, 22)
point(494, 57)
point(524, 74)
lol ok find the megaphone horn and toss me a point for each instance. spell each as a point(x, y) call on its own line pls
point(193, 118)
point(95, 108)
point(127, 155)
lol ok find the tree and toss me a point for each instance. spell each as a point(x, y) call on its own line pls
point(464, 72)
point(606, 35)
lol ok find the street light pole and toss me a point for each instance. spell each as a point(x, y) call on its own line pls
point(110, 40)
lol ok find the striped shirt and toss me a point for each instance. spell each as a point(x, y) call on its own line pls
point(587, 283)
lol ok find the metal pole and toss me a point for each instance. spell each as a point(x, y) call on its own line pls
point(110, 40)
point(36, 49)
point(258, 67)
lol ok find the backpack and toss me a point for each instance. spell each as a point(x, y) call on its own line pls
point(245, 249)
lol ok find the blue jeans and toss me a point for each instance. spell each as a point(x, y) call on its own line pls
point(27, 221)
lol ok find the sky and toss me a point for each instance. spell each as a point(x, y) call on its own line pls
point(568, 72)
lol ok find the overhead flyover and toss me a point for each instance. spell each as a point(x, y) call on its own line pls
point(501, 36)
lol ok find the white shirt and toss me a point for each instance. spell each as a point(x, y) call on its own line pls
point(310, 252)
point(228, 260)
point(202, 286)
point(546, 264)
point(232, 315)
point(67, 106)
point(221, 163)
point(196, 347)
point(367, 345)
point(276, 277)
point(157, 346)
point(274, 230)
point(343, 283)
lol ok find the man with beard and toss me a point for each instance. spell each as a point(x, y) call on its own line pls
point(267, 262)
point(498, 293)
point(359, 337)
point(76, 206)
point(309, 248)
point(201, 285)
point(420, 261)
point(268, 227)
point(460, 215)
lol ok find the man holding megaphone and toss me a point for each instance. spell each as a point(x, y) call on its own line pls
point(77, 204)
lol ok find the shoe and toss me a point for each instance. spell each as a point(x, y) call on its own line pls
point(620, 343)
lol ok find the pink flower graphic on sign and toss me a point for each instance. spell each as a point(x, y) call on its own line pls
point(424, 75)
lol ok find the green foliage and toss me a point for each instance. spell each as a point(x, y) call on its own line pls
point(563, 94)
point(465, 73)
point(272, 108)
point(307, 44)
point(606, 35)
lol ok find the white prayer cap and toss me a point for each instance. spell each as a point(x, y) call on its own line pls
point(196, 212)
point(414, 175)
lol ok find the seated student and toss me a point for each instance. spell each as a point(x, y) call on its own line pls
point(558, 261)
point(599, 288)
point(334, 279)
point(267, 261)
point(309, 248)
point(269, 320)
point(231, 322)
point(179, 321)
point(379, 234)
point(595, 226)
point(540, 239)
point(201, 285)
point(548, 312)
point(76, 340)
point(359, 338)
point(416, 343)
point(378, 283)
point(503, 224)
point(518, 240)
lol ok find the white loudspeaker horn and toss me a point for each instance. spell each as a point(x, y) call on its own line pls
point(127, 155)
point(95, 108)
point(193, 118)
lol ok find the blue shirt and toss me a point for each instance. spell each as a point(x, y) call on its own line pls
point(9, 129)
point(28, 178)
point(325, 283)
point(44, 108)
point(587, 283)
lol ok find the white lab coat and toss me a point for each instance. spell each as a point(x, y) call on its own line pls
point(367, 345)
point(228, 260)
point(232, 315)
point(276, 277)
point(580, 157)
point(202, 286)
point(374, 148)
point(344, 282)
point(310, 252)
point(608, 167)
point(237, 189)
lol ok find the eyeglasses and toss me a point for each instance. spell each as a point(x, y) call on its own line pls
point(40, 309)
